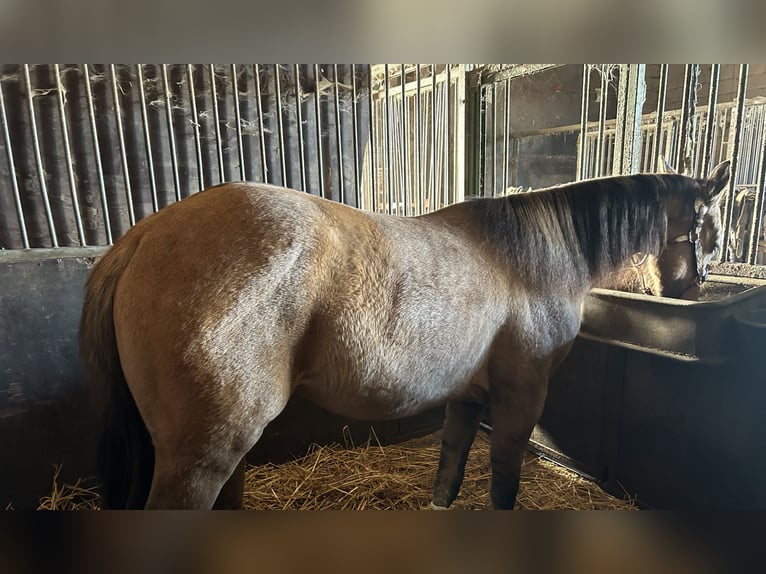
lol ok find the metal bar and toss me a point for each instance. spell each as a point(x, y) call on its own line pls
point(280, 127)
point(757, 222)
point(68, 155)
point(735, 135)
point(647, 146)
point(123, 156)
point(264, 168)
point(599, 171)
point(97, 153)
point(626, 158)
point(195, 123)
point(405, 131)
point(12, 170)
point(373, 174)
point(431, 205)
point(320, 165)
point(387, 114)
point(715, 74)
point(147, 139)
point(217, 119)
point(447, 117)
point(238, 116)
point(419, 136)
point(459, 159)
point(482, 147)
point(39, 159)
point(688, 117)
point(663, 90)
point(338, 135)
point(494, 139)
point(354, 121)
point(171, 132)
point(299, 112)
point(584, 108)
point(507, 132)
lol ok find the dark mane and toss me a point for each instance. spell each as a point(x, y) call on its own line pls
point(579, 232)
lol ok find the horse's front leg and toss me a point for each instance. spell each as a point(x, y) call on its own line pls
point(460, 425)
point(517, 398)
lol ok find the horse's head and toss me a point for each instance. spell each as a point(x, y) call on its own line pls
point(694, 235)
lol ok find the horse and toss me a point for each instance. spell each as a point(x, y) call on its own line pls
point(204, 319)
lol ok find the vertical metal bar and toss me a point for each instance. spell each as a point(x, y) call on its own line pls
point(661, 96)
point(238, 117)
point(68, 154)
point(148, 140)
point(419, 155)
point(171, 132)
point(678, 154)
point(583, 120)
point(299, 117)
point(648, 142)
point(688, 117)
point(280, 127)
point(599, 171)
point(626, 158)
point(482, 147)
point(97, 153)
point(757, 222)
point(405, 135)
point(354, 120)
point(338, 134)
point(12, 170)
point(39, 159)
point(494, 139)
point(261, 133)
point(195, 123)
point(434, 192)
point(459, 158)
point(735, 135)
point(507, 132)
point(715, 74)
point(217, 119)
point(123, 156)
point(373, 169)
point(387, 114)
point(447, 116)
point(320, 166)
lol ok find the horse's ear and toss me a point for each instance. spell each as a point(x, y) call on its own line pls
point(716, 182)
point(665, 167)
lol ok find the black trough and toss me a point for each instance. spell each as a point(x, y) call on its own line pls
point(665, 399)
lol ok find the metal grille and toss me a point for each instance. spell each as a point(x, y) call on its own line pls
point(418, 157)
point(88, 150)
point(614, 135)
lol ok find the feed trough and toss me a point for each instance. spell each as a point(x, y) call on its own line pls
point(665, 398)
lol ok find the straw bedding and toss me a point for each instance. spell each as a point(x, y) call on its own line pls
point(371, 476)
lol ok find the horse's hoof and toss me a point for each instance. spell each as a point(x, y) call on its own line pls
point(434, 507)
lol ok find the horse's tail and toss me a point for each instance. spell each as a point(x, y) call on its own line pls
point(125, 453)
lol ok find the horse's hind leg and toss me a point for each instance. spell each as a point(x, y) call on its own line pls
point(230, 497)
point(191, 478)
point(200, 463)
point(460, 426)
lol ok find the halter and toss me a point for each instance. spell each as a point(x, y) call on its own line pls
point(693, 237)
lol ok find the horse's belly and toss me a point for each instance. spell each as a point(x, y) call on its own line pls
point(390, 391)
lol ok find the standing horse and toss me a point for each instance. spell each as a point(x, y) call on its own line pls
point(205, 318)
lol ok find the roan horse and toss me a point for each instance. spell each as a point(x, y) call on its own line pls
point(205, 318)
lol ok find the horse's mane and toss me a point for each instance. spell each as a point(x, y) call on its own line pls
point(579, 232)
